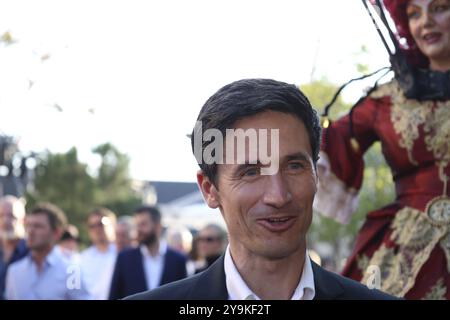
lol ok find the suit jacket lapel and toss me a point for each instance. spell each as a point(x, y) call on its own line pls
point(166, 275)
point(140, 272)
point(326, 286)
point(211, 283)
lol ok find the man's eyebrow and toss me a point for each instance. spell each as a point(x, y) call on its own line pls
point(298, 156)
point(302, 156)
point(247, 164)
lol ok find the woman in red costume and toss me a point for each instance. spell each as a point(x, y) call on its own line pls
point(408, 240)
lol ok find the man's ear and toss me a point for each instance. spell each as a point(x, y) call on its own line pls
point(58, 232)
point(209, 191)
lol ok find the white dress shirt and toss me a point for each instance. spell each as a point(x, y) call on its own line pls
point(57, 280)
point(97, 268)
point(238, 289)
point(153, 265)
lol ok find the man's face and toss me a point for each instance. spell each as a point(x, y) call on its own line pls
point(11, 220)
point(98, 227)
point(268, 215)
point(210, 243)
point(7, 218)
point(147, 230)
point(40, 235)
point(123, 238)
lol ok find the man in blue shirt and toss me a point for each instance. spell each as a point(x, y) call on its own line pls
point(44, 273)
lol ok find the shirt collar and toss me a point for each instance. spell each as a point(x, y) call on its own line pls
point(110, 250)
point(52, 257)
point(238, 289)
point(50, 260)
point(305, 289)
point(161, 252)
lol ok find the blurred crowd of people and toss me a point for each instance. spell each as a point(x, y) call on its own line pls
point(42, 257)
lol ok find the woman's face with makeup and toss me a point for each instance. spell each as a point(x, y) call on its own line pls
point(429, 23)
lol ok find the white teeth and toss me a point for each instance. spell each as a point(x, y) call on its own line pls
point(278, 220)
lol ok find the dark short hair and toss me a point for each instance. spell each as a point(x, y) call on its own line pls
point(55, 215)
point(152, 211)
point(248, 97)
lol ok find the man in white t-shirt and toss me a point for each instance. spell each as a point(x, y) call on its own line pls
point(97, 261)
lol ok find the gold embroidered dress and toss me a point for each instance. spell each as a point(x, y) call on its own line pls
point(408, 240)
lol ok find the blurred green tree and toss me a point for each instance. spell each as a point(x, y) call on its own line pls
point(62, 179)
point(113, 179)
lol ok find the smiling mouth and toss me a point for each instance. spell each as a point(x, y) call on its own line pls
point(432, 37)
point(277, 224)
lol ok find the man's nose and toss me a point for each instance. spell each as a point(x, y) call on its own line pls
point(276, 193)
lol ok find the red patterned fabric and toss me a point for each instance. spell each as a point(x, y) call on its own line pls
point(416, 176)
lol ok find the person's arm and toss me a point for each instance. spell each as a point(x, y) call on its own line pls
point(341, 165)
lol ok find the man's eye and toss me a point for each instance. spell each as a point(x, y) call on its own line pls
point(250, 172)
point(295, 166)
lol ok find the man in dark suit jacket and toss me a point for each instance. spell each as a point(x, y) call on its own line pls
point(151, 264)
point(211, 285)
point(265, 200)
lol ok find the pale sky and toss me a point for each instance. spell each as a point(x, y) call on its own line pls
point(147, 67)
